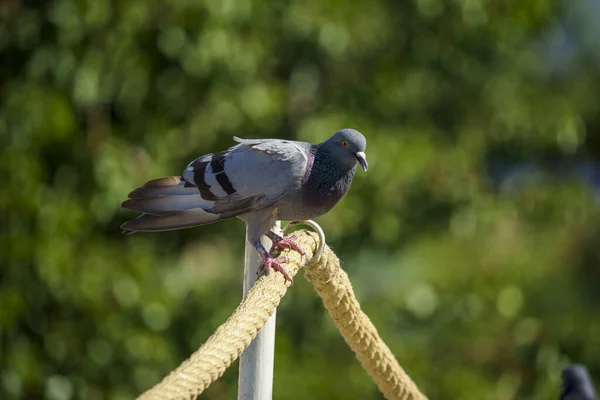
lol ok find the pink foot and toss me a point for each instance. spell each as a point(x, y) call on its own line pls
point(288, 243)
point(275, 263)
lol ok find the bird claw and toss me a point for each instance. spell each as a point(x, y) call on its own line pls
point(289, 243)
point(275, 263)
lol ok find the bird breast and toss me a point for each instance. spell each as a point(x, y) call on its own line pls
point(321, 195)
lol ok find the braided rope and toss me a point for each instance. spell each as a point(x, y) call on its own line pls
point(226, 344)
point(335, 289)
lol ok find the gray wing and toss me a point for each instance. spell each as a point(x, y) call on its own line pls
point(250, 175)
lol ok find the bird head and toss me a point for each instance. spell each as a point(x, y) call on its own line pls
point(576, 379)
point(349, 145)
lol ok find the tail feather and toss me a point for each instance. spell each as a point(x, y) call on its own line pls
point(185, 219)
point(163, 182)
point(146, 192)
point(170, 185)
point(167, 204)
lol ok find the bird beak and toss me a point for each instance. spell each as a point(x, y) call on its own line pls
point(362, 160)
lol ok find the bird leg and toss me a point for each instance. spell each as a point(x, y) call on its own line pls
point(285, 242)
point(272, 262)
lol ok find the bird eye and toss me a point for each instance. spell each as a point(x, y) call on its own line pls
point(344, 143)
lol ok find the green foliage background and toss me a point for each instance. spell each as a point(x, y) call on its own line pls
point(482, 292)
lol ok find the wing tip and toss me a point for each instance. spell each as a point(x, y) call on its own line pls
point(126, 227)
point(127, 204)
point(135, 225)
point(156, 223)
point(163, 182)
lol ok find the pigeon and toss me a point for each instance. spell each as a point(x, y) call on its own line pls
point(259, 181)
point(577, 384)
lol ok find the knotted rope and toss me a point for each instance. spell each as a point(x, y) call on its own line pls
point(211, 360)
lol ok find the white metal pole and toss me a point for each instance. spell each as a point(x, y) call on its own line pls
point(255, 381)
